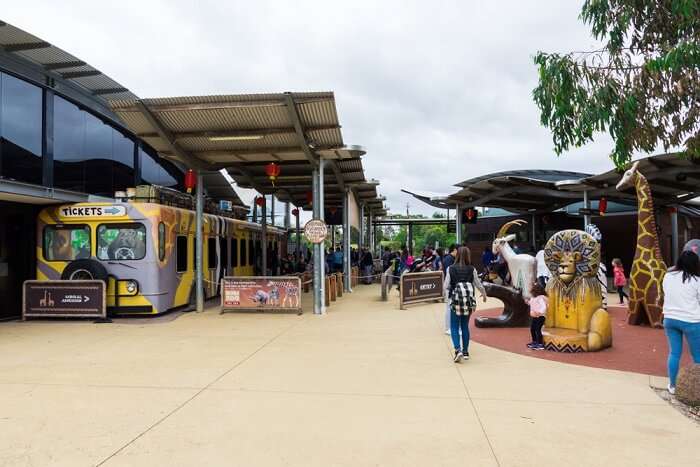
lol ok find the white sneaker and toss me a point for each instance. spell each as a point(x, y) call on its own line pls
point(671, 390)
point(447, 332)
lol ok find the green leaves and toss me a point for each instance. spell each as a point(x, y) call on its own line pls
point(642, 88)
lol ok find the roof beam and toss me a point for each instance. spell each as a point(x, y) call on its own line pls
point(296, 121)
point(241, 133)
point(183, 155)
point(253, 101)
point(340, 180)
point(20, 46)
point(103, 91)
point(63, 65)
point(80, 74)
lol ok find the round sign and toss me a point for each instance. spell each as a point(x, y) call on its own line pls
point(315, 231)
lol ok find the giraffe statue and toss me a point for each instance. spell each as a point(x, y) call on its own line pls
point(648, 267)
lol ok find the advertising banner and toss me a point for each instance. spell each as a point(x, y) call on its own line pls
point(64, 299)
point(261, 293)
point(419, 287)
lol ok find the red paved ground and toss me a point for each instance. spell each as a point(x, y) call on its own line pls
point(635, 348)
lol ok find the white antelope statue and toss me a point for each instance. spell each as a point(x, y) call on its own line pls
point(522, 267)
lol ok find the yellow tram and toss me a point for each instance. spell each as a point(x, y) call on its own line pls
point(145, 251)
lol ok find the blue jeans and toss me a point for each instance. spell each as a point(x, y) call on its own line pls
point(675, 330)
point(457, 322)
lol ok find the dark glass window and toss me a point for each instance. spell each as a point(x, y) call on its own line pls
point(66, 242)
point(20, 130)
point(244, 252)
point(158, 171)
point(211, 252)
point(90, 156)
point(161, 241)
point(121, 241)
point(223, 246)
point(181, 247)
point(234, 252)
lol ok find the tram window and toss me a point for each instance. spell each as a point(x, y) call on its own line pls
point(224, 252)
point(211, 252)
point(121, 241)
point(66, 242)
point(161, 241)
point(181, 254)
point(244, 253)
point(234, 252)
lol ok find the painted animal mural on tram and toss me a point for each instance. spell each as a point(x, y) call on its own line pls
point(145, 252)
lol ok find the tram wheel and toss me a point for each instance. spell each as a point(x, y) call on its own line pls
point(84, 269)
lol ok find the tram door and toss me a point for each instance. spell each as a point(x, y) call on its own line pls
point(17, 254)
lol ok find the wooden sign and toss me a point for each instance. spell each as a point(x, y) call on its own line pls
point(417, 287)
point(261, 293)
point(315, 231)
point(64, 299)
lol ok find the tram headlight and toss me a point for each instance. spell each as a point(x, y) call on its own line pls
point(132, 287)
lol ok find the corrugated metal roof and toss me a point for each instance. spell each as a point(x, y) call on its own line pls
point(52, 59)
point(673, 181)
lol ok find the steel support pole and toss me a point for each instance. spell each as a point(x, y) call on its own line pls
point(370, 233)
point(198, 243)
point(674, 234)
point(347, 283)
point(255, 211)
point(361, 240)
point(586, 205)
point(409, 238)
point(534, 234)
point(272, 209)
point(317, 248)
point(322, 245)
point(263, 238)
point(458, 224)
point(298, 238)
point(287, 220)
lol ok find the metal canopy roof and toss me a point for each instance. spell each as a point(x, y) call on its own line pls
point(59, 62)
point(673, 180)
point(219, 188)
point(244, 133)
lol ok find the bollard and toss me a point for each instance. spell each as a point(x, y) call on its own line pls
point(333, 287)
point(328, 292)
point(305, 280)
point(384, 292)
point(339, 282)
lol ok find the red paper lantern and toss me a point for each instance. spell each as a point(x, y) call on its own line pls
point(295, 212)
point(470, 213)
point(602, 206)
point(272, 170)
point(260, 201)
point(672, 209)
point(309, 197)
point(190, 180)
point(333, 211)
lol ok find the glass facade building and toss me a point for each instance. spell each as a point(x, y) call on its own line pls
point(47, 139)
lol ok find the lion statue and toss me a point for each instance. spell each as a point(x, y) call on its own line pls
point(576, 321)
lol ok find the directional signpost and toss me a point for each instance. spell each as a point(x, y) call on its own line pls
point(64, 299)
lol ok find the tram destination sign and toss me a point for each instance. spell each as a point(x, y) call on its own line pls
point(261, 293)
point(315, 231)
point(64, 299)
point(93, 211)
point(420, 287)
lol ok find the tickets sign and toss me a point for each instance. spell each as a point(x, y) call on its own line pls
point(64, 299)
point(113, 210)
point(261, 293)
point(419, 287)
point(315, 231)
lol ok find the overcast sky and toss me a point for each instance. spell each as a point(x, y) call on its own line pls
point(437, 92)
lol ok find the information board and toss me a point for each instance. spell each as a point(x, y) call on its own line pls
point(261, 293)
point(64, 299)
point(419, 287)
point(315, 231)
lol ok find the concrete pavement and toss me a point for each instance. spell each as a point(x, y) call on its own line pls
point(365, 385)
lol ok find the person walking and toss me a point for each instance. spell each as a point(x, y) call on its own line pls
point(367, 263)
point(681, 287)
point(538, 303)
point(447, 261)
point(619, 279)
point(460, 284)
